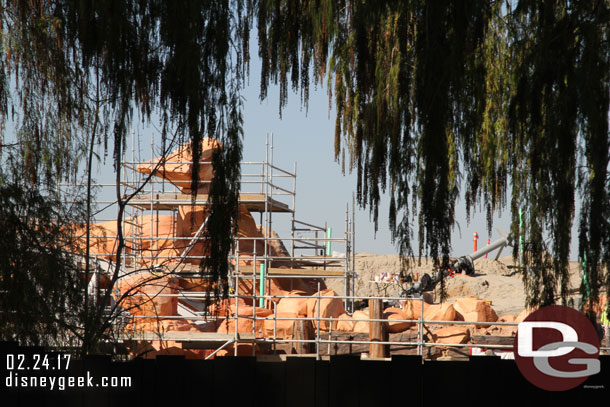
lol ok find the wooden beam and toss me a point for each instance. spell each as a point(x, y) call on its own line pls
point(302, 330)
point(254, 202)
point(492, 340)
point(377, 332)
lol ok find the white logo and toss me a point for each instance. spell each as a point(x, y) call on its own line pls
point(568, 343)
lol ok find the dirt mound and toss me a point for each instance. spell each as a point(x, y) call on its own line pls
point(498, 281)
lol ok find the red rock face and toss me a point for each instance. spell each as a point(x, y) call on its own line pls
point(297, 306)
point(103, 242)
point(283, 327)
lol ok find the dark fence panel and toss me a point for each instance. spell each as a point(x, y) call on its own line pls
point(299, 381)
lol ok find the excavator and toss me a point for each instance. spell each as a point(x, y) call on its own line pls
point(464, 264)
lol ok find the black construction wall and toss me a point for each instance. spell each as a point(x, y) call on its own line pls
point(299, 381)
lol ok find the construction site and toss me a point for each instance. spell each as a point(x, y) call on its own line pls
point(308, 293)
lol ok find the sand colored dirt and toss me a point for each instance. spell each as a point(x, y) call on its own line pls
point(496, 281)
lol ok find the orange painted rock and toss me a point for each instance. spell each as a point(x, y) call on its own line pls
point(277, 248)
point(363, 324)
point(102, 239)
point(329, 308)
point(150, 350)
point(162, 229)
point(293, 305)
point(308, 285)
point(397, 326)
point(345, 323)
point(412, 308)
point(451, 334)
point(282, 326)
point(524, 314)
point(393, 314)
point(272, 287)
point(246, 227)
point(147, 294)
point(195, 284)
point(189, 220)
point(168, 325)
point(177, 167)
point(224, 307)
point(475, 310)
point(507, 330)
point(249, 311)
point(161, 257)
point(440, 312)
point(248, 317)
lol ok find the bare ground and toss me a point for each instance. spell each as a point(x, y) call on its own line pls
point(498, 281)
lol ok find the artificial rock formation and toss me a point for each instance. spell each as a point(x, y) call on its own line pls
point(393, 314)
point(475, 310)
point(177, 167)
point(245, 321)
point(145, 294)
point(297, 306)
point(360, 321)
point(283, 326)
point(451, 334)
point(345, 323)
point(172, 233)
point(440, 312)
point(328, 308)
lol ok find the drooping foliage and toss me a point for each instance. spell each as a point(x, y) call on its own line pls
point(435, 101)
point(407, 89)
point(558, 116)
point(42, 301)
point(441, 99)
point(77, 74)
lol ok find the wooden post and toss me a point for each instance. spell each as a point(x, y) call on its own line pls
point(302, 330)
point(377, 331)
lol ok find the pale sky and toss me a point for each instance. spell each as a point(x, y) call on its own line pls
point(322, 189)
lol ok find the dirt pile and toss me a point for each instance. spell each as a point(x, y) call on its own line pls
point(498, 281)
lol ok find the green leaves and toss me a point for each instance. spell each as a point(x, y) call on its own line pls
point(42, 288)
point(437, 99)
point(80, 71)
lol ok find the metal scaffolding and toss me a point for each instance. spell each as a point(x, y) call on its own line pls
point(265, 190)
